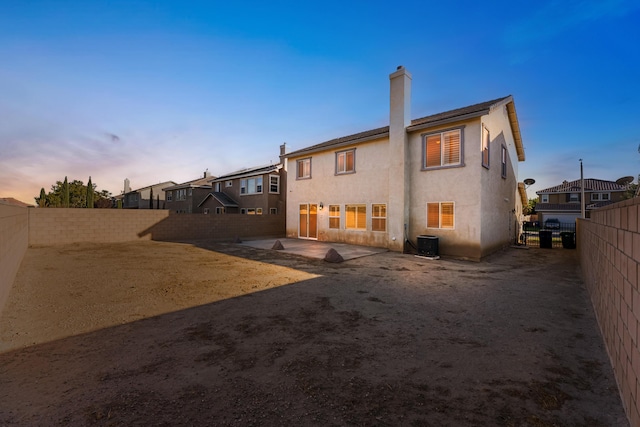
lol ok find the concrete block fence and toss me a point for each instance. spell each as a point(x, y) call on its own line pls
point(609, 250)
point(14, 240)
point(23, 227)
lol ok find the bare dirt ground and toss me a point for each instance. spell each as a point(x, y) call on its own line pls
point(164, 334)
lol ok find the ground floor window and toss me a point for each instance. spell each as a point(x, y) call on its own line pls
point(379, 217)
point(440, 215)
point(334, 216)
point(356, 217)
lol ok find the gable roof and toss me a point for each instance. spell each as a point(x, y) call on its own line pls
point(149, 186)
point(459, 114)
point(590, 184)
point(194, 183)
point(242, 173)
point(224, 200)
point(15, 202)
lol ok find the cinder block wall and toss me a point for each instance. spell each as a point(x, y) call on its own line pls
point(63, 226)
point(609, 249)
point(14, 240)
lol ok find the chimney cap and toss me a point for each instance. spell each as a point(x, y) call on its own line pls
point(400, 67)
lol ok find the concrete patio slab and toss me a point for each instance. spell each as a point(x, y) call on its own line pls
point(314, 248)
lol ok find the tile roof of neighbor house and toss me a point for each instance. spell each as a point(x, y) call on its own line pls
point(224, 200)
point(257, 170)
point(153, 185)
point(464, 113)
point(15, 202)
point(590, 184)
point(194, 183)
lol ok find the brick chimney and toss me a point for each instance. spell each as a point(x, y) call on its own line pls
point(399, 177)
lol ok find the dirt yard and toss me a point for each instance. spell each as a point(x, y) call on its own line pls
point(165, 334)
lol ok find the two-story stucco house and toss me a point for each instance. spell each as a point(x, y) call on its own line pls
point(186, 197)
point(141, 198)
point(563, 202)
point(253, 191)
point(452, 175)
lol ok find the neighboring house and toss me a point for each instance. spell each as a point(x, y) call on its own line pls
point(139, 199)
point(15, 202)
point(452, 175)
point(253, 191)
point(562, 202)
point(186, 197)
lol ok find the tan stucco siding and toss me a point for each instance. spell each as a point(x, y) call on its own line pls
point(368, 185)
point(500, 201)
point(454, 184)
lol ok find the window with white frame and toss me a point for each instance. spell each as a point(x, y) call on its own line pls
point(190, 191)
point(219, 210)
point(600, 196)
point(346, 161)
point(544, 198)
point(251, 211)
point(228, 184)
point(303, 168)
point(205, 211)
point(251, 185)
point(334, 216)
point(243, 211)
point(503, 161)
point(355, 217)
point(443, 149)
point(485, 147)
point(258, 211)
point(574, 197)
point(217, 188)
point(273, 211)
point(440, 215)
point(379, 217)
point(181, 194)
point(274, 184)
point(169, 196)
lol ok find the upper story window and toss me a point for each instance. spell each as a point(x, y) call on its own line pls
point(503, 161)
point(181, 194)
point(274, 184)
point(346, 161)
point(251, 185)
point(600, 196)
point(544, 198)
point(485, 147)
point(443, 149)
point(228, 184)
point(217, 187)
point(169, 196)
point(303, 168)
point(574, 197)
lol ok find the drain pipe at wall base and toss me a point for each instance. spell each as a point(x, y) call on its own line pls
point(408, 242)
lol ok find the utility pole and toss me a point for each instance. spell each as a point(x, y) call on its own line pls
point(581, 191)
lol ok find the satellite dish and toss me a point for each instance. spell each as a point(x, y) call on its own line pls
point(624, 180)
point(529, 181)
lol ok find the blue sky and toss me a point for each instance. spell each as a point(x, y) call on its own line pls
point(162, 90)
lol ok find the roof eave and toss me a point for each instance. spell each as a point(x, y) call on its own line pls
point(306, 151)
point(515, 128)
point(448, 120)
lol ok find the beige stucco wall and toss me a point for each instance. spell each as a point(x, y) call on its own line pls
point(14, 240)
point(369, 185)
point(455, 184)
point(609, 250)
point(486, 205)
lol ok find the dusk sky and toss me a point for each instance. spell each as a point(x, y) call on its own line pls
point(163, 90)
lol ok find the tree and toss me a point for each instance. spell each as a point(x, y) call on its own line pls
point(42, 200)
point(151, 199)
point(90, 194)
point(530, 209)
point(75, 193)
point(65, 193)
